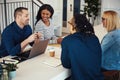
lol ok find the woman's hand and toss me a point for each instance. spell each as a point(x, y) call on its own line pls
point(59, 40)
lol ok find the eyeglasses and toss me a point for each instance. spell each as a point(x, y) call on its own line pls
point(103, 19)
point(70, 23)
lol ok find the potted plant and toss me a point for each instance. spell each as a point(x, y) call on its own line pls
point(91, 9)
point(11, 68)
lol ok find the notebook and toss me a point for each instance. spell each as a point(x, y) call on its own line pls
point(38, 48)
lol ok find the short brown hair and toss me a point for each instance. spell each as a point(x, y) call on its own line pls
point(19, 10)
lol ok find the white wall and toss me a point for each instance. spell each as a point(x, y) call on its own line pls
point(111, 5)
point(82, 5)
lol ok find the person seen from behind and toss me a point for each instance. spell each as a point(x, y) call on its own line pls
point(81, 50)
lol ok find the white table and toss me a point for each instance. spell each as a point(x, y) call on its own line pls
point(35, 69)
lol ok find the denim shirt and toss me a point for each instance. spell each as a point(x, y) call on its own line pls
point(111, 50)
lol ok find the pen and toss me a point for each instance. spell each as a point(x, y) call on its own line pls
point(37, 35)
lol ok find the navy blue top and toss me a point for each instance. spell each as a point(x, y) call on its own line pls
point(82, 54)
point(12, 37)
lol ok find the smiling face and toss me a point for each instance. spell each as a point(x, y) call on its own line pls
point(45, 15)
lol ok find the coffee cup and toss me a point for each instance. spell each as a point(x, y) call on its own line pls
point(52, 52)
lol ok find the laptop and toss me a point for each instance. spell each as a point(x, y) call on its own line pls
point(38, 48)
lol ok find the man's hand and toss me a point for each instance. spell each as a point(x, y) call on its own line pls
point(32, 37)
point(38, 35)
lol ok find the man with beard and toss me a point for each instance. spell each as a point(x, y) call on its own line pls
point(18, 34)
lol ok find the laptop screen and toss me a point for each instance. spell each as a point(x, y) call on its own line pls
point(38, 48)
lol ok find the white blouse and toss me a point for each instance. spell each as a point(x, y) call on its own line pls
point(46, 31)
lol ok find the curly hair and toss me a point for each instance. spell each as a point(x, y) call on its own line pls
point(43, 7)
point(81, 24)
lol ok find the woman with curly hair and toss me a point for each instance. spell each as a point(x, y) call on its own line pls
point(81, 51)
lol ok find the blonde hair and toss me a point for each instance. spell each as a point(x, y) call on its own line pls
point(112, 20)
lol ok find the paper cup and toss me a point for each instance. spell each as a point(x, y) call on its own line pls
point(52, 52)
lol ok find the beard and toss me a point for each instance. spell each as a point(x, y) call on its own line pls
point(26, 22)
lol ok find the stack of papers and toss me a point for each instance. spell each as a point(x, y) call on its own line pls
point(9, 60)
point(52, 62)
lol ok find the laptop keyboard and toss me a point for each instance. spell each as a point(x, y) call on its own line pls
point(22, 57)
point(19, 59)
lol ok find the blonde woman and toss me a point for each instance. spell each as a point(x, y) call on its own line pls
point(111, 41)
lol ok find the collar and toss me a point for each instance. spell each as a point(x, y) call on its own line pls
point(18, 29)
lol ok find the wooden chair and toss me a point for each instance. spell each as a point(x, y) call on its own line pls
point(112, 75)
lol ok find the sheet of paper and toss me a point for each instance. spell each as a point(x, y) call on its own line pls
point(52, 62)
point(9, 60)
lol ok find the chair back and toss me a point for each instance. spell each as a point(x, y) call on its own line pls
point(112, 75)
